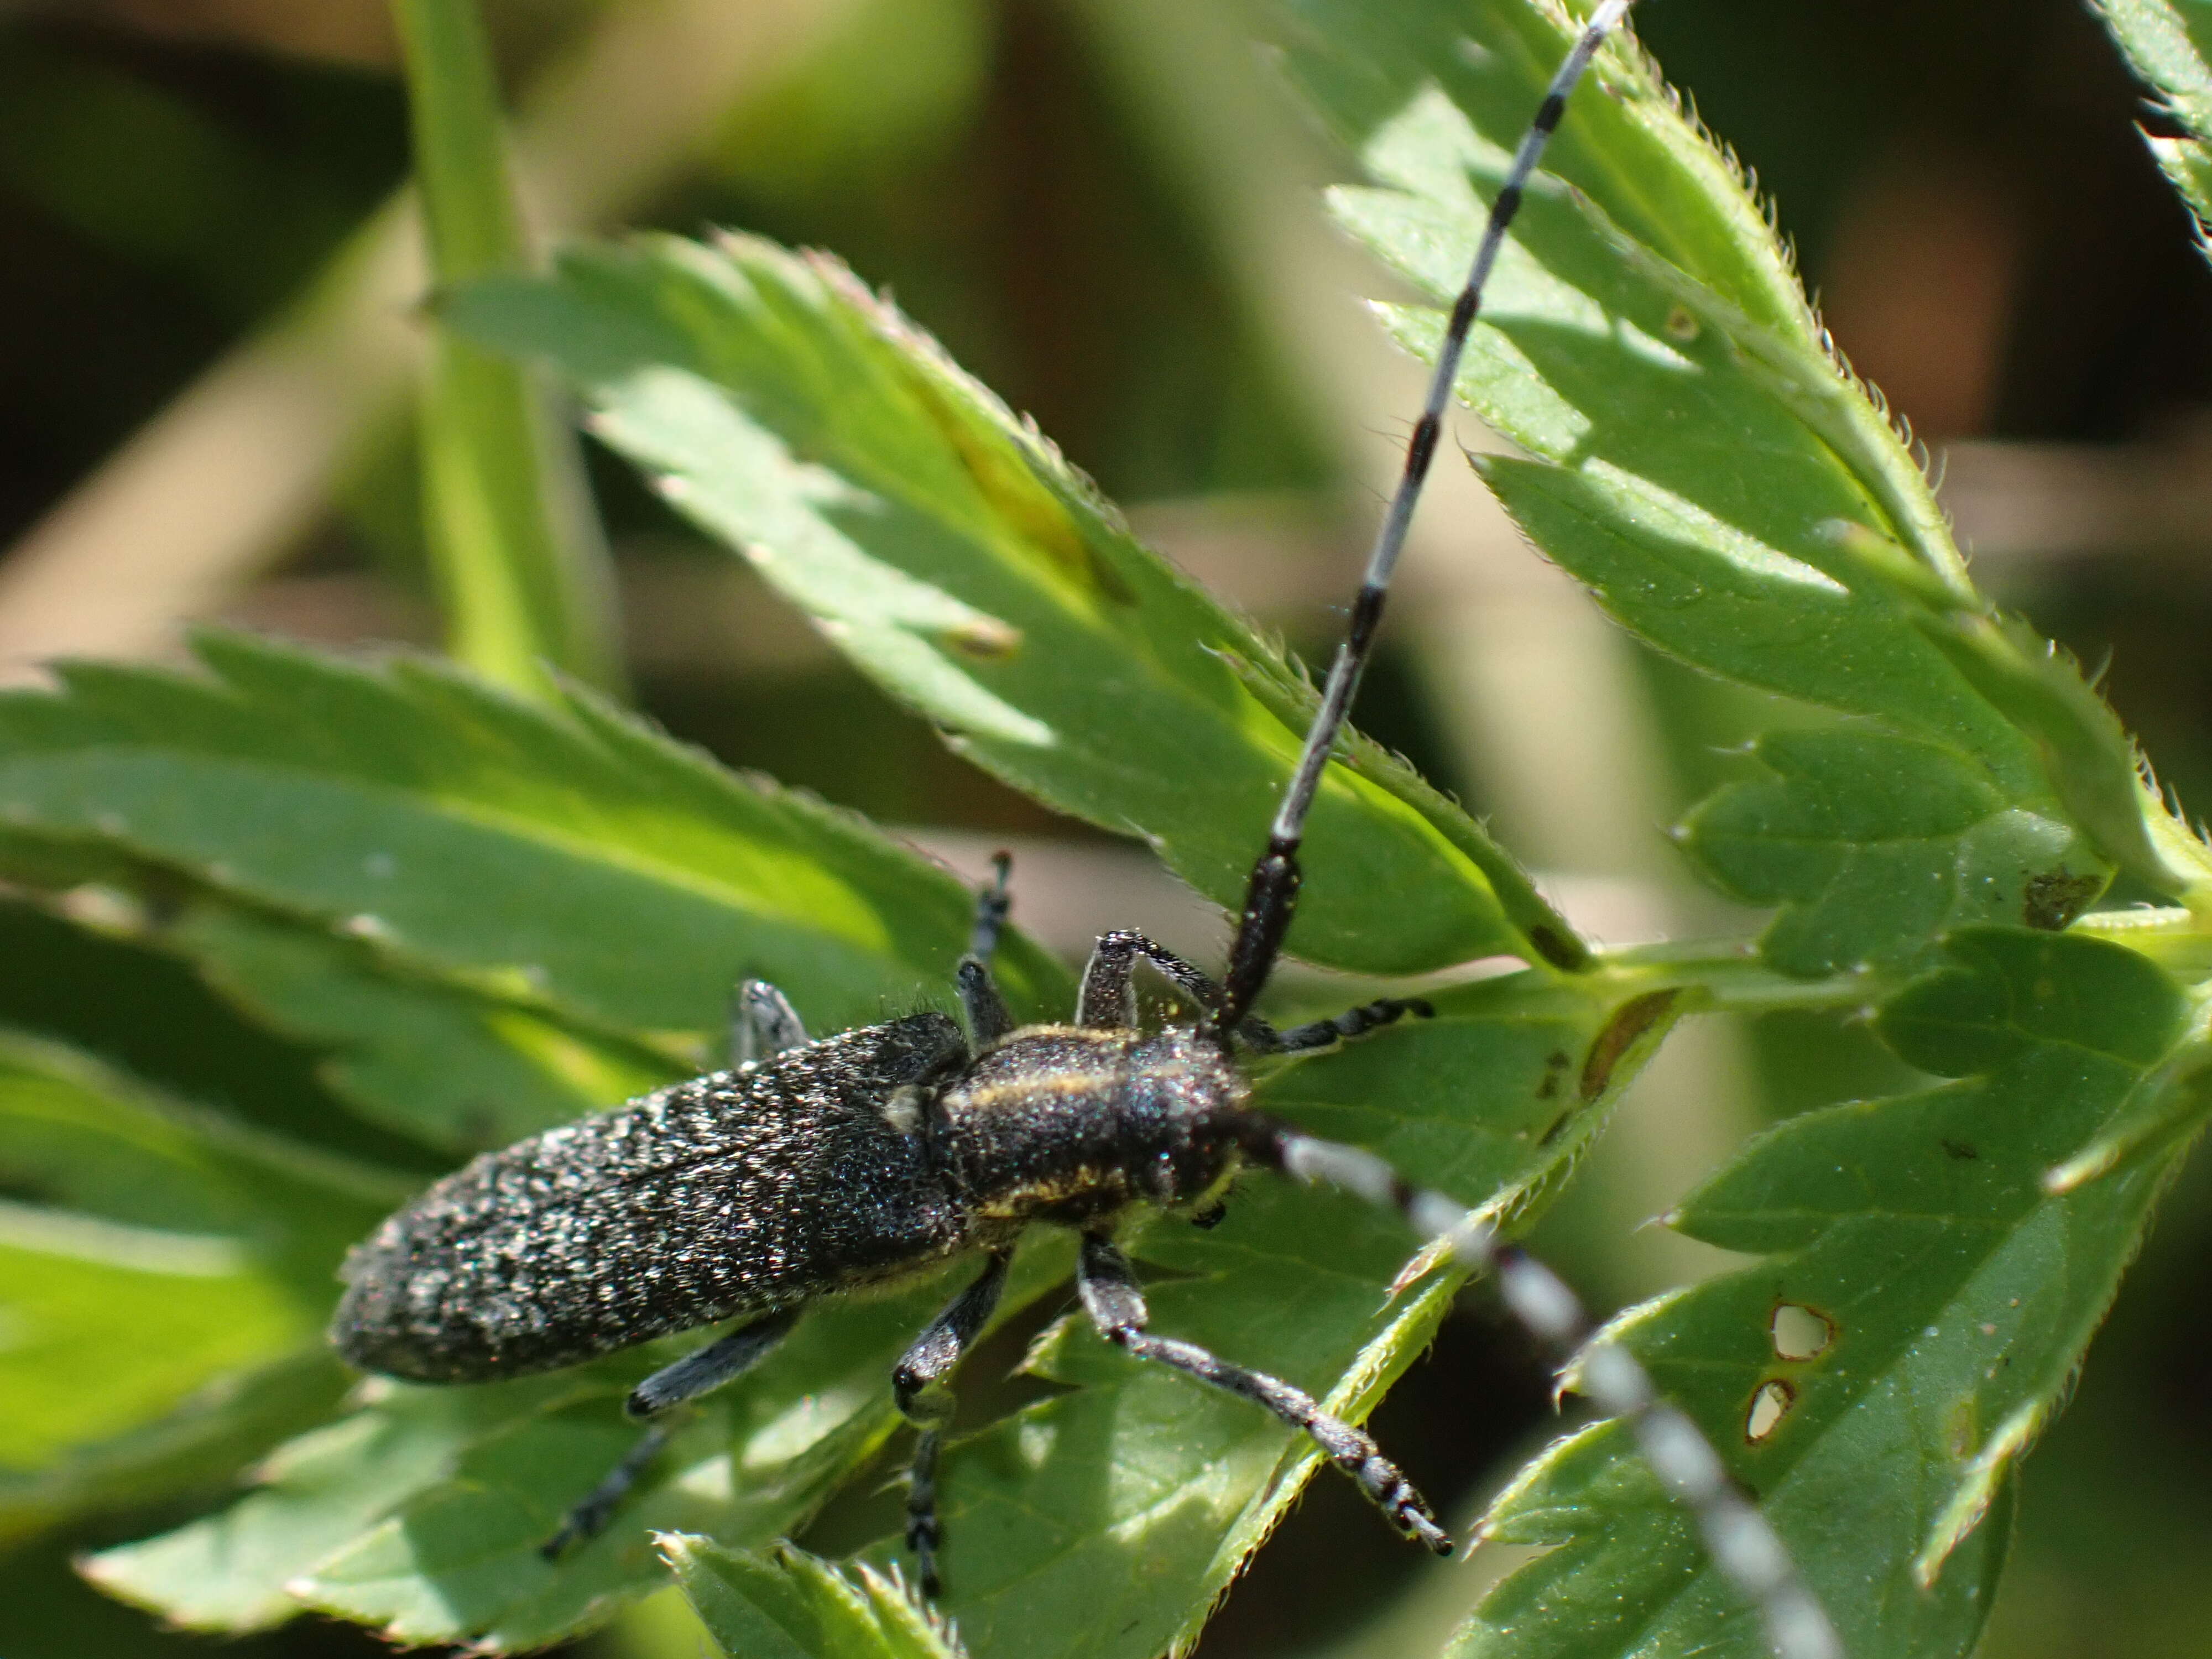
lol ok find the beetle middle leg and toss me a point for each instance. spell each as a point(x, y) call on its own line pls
point(695, 1374)
point(763, 1023)
point(1116, 1303)
point(927, 1402)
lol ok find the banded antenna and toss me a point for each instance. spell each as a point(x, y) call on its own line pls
point(1270, 896)
point(1742, 1543)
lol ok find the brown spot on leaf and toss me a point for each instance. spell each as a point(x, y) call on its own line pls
point(1630, 1022)
point(2052, 900)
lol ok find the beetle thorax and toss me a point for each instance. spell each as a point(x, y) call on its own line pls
point(1058, 1123)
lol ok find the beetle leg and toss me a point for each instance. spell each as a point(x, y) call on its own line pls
point(1105, 1002)
point(1116, 1303)
point(763, 1023)
point(926, 1401)
point(988, 1017)
point(696, 1373)
point(1328, 1033)
point(589, 1518)
point(707, 1369)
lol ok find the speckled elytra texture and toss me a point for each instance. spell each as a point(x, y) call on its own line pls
point(729, 1195)
point(843, 1162)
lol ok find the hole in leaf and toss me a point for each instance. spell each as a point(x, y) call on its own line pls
point(1768, 1407)
point(1800, 1333)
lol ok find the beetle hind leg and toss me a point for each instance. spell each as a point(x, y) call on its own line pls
point(589, 1518)
point(697, 1373)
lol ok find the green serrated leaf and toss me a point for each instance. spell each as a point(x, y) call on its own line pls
point(2167, 44)
point(2091, 760)
point(964, 566)
point(1948, 1294)
point(441, 1064)
point(583, 863)
point(1694, 452)
point(1875, 845)
point(164, 1269)
point(785, 1604)
point(1644, 339)
point(423, 1513)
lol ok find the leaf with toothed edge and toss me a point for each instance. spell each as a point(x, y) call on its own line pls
point(1692, 454)
point(2168, 43)
point(965, 567)
point(1952, 1296)
point(583, 863)
point(1875, 845)
point(783, 1603)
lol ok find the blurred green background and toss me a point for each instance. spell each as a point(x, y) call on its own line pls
point(1104, 209)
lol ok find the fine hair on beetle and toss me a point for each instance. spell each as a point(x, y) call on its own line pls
point(816, 1166)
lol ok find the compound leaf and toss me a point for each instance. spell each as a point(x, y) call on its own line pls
point(1924, 1302)
point(1693, 451)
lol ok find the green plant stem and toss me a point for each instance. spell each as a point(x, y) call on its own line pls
point(521, 576)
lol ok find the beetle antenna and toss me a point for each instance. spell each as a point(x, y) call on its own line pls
point(1270, 895)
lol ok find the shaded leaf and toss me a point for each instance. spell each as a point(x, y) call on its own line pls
point(449, 1067)
point(106, 989)
point(423, 1512)
point(783, 1603)
point(199, 1444)
point(163, 1274)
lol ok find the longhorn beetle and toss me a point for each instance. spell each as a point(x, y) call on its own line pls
point(814, 1167)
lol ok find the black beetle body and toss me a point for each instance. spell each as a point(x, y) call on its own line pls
point(861, 1159)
